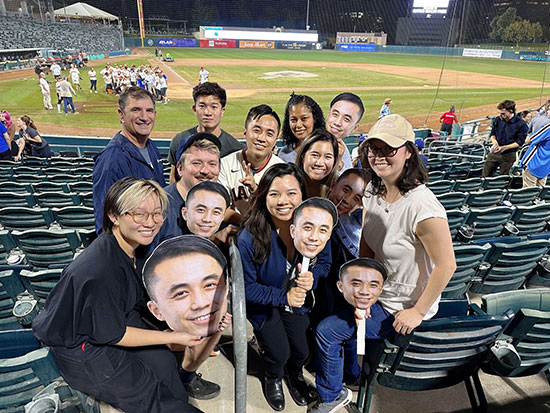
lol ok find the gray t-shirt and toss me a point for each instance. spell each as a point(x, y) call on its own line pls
point(228, 143)
point(145, 153)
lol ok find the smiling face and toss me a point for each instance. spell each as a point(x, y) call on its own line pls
point(283, 197)
point(347, 193)
point(311, 231)
point(204, 213)
point(209, 112)
point(189, 293)
point(301, 121)
point(138, 118)
point(387, 168)
point(261, 135)
point(199, 165)
point(319, 160)
point(343, 119)
point(130, 234)
point(361, 286)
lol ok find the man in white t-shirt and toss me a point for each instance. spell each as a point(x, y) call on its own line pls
point(203, 75)
point(45, 89)
point(56, 70)
point(75, 77)
point(241, 171)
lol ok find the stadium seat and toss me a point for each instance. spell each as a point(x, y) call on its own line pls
point(80, 187)
point(456, 218)
point(523, 196)
point(27, 170)
point(64, 178)
point(41, 283)
point(487, 198)
point(16, 199)
point(489, 222)
point(458, 170)
point(440, 353)
point(507, 265)
point(45, 248)
point(452, 200)
point(14, 218)
point(7, 320)
point(468, 258)
point(49, 187)
point(87, 199)
point(56, 171)
point(77, 217)
point(15, 187)
point(36, 162)
point(530, 219)
point(435, 176)
point(441, 187)
point(29, 179)
point(496, 182)
point(11, 283)
point(57, 199)
point(544, 194)
point(83, 170)
point(528, 331)
point(467, 185)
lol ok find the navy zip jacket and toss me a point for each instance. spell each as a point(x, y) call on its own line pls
point(119, 159)
point(515, 130)
point(263, 284)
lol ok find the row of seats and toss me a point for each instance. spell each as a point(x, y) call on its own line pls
point(54, 161)
point(484, 223)
point(47, 186)
point(494, 197)
point(31, 178)
point(440, 186)
point(23, 218)
point(48, 171)
point(45, 199)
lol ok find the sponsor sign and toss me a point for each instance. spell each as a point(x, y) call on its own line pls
point(177, 42)
point(218, 43)
point(493, 54)
point(294, 45)
point(256, 44)
point(287, 73)
point(357, 47)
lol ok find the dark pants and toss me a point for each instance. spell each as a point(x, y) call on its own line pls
point(283, 341)
point(133, 380)
point(6, 155)
point(68, 101)
point(502, 161)
point(93, 85)
point(447, 127)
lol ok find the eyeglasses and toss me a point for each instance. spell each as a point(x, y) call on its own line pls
point(142, 217)
point(382, 152)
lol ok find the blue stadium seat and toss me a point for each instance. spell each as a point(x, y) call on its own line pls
point(15, 187)
point(58, 171)
point(452, 200)
point(57, 199)
point(16, 199)
point(456, 218)
point(435, 175)
point(468, 185)
point(87, 199)
point(496, 182)
point(486, 198)
point(80, 187)
point(468, 259)
point(523, 196)
point(41, 283)
point(29, 179)
point(508, 265)
point(64, 178)
point(489, 222)
point(49, 187)
point(78, 217)
point(27, 170)
point(530, 219)
point(544, 194)
point(14, 218)
point(441, 187)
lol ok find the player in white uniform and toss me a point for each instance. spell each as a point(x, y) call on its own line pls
point(75, 77)
point(203, 75)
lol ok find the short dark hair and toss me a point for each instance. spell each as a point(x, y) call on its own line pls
point(359, 172)
point(262, 110)
point(350, 97)
point(316, 111)
point(364, 263)
point(178, 247)
point(210, 89)
point(135, 92)
point(523, 113)
point(209, 186)
point(507, 105)
point(319, 203)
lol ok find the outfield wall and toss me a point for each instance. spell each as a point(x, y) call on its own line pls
point(219, 43)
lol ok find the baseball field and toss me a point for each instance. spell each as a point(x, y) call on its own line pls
point(252, 77)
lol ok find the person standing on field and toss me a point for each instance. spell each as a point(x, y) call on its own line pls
point(45, 89)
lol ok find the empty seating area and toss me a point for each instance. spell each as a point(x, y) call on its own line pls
point(19, 32)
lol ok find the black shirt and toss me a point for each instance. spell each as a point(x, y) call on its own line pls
point(507, 132)
point(98, 296)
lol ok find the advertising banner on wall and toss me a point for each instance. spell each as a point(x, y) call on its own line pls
point(493, 54)
point(256, 44)
point(177, 42)
point(294, 45)
point(357, 47)
point(218, 43)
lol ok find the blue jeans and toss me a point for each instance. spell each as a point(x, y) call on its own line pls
point(68, 101)
point(335, 340)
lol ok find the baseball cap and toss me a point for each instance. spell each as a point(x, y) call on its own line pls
point(388, 100)
point(361, 138)
point(394, 130)
point(419, 142)
point(187, 142)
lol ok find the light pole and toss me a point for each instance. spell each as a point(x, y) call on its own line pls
point(307, 16)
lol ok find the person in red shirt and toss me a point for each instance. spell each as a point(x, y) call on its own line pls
point(447, 120)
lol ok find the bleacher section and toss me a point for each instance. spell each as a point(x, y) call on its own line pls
point(17, 32)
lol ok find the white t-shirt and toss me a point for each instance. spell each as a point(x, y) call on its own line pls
point(44, 85)
point(390, 232)
point(75, 75)
point(56, 69)
point(92, 74)
point(231, 170)
point(203, 74)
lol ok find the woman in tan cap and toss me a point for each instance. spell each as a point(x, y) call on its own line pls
point(404, 225)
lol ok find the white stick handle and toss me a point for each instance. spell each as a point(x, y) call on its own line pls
point(305, 264)
point(361, 329)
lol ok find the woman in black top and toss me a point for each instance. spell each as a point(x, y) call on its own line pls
point(92, 319)
point(30, 142)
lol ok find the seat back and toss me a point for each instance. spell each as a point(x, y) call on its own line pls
point(441, 187)
point(496, 182)
point(530, 219)
point(57, 199)
point(24, 218)
point(16, 199)
point(523, 196)
point(81, 217)
point(468, 259)
point(42, 282)
point(452, 200)
point(486, 198)
point(468, 185)
point(489, 222)
point(456, 218)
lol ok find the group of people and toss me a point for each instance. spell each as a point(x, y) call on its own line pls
point(135, 315)
point(28, 143)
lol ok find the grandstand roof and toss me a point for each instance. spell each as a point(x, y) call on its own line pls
point(84, 10)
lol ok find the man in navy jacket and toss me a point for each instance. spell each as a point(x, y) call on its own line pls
point(130, 152)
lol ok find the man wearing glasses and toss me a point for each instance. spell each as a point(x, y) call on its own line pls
point(508, 133)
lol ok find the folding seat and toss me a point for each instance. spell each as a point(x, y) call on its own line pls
point(56, 171)
point(49, 187)
point(57, 199)
point(45, 248)
point(87, 199)
point(13, 218)
point(36, 162)
point(486, 198)
point(530, 219)
point(77, 217)
point(456, 218)
point(489, 222)
point(29, 179)
point(83, 170)
point(14, 199)
point(27, 170)
point(440, 353)
point(496, 182)
point(441, 187)
point(80, 187)
point(508, 265)
point(41, 283)
point(435, 176)
point(523, 196)
point(468, 185)
point(528, 332)
point(544, 194)
point(64, 178)
point(452, 200)
point(468, 258)
point(15, 187)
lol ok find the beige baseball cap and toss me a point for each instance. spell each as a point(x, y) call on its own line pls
point(394, 130)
